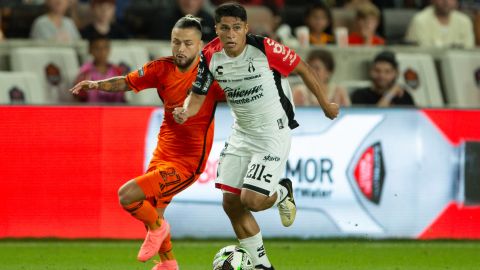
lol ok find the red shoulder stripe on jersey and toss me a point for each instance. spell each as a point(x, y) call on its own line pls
point(280, 57)
point(212, 47)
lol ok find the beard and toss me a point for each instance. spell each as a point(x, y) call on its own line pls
point(183, 62)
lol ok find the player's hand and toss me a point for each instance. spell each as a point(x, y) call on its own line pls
point(180, 115)
point(331, 110)
point(83, 85)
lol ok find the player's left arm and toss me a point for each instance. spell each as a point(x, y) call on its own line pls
point(315, 86)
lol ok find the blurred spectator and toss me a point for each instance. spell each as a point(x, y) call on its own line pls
point(278, 3)
point(99, 69)
point(267, 21)
point(318, 19)
point(80, 12)
point(262, 21)
point(2, 37)
point(54, 25)
point(162, 25)
point(323, 64)
point(355, 4)
point(441, 25)
point(384, 91)
point(477, 27)
point(121, 7)
point(367, 19)
point(103, 21)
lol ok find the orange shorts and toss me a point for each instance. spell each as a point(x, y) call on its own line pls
point(163, 182)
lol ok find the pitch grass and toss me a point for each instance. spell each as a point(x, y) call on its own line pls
point(285, 254)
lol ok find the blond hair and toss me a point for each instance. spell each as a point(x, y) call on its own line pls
point(367, 10)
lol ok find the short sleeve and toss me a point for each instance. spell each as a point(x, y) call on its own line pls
point(280, 57)
point(144, 77)
point(204, 78)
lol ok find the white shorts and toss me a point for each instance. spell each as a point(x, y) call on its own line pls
point(255, 162)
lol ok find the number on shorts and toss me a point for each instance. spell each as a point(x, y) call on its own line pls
point(256, 172)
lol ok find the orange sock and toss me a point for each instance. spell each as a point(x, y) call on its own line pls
point(144, 212)
point(166, 245)
point(166, 252)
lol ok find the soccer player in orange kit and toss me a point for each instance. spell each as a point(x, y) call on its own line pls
point(182, 150)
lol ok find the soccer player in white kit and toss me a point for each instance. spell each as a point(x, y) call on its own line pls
point(252, 70)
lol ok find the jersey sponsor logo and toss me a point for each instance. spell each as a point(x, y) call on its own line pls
point(238, 96)
point(253, 77)
point(277, 48)
point(219, 70)
point(271, 158)
point(237, 93)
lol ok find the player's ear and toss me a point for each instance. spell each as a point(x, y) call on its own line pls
point(246, 27)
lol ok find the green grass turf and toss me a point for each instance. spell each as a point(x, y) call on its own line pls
point(285, 254)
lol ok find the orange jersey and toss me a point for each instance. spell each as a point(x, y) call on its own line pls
point(188, 144)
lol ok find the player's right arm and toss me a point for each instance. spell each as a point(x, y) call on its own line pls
point(313, 83)
point(114, 84)
point(190, 108)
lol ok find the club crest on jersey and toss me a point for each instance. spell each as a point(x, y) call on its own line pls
point(251, 67)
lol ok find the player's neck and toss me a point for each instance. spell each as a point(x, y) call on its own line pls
point(235, 53)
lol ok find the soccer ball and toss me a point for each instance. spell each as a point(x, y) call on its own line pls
point(232, 258)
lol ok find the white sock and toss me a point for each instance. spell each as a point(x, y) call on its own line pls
point(254, 246)
point(282, 192)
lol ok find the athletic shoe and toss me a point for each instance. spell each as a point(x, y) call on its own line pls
point(153, 241)
point(166, 265)
point(287, 207)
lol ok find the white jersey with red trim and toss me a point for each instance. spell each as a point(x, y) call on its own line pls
point(254, 82)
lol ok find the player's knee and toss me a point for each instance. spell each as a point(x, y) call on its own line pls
point(251, 203)
point(231, 204)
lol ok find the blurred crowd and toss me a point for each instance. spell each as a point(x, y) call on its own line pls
point(296, 23)
point(356, 22)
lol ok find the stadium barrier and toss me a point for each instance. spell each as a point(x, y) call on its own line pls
point(401, 173)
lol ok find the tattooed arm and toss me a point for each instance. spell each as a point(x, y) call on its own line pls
point(114, 84)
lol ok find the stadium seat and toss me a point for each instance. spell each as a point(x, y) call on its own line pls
point(352, 63)
point(21, 88)
point(131, 58)
point(395, 23)
point(155, 48)
point(461, 78)
point(343, 17)
point(57, 66)
point(417, 72)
